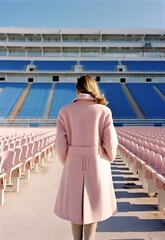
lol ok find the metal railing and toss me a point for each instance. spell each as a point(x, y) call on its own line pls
point(30, 122)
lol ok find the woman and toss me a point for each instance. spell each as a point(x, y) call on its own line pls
point(86, 143)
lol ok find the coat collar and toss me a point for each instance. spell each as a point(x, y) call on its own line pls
point(83, 96)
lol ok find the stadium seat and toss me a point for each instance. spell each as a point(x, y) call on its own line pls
point(11, 168)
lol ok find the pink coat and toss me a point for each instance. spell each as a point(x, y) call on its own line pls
point(86, 143)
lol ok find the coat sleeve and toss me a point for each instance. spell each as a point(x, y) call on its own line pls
point(110, 140)
point(61, 138)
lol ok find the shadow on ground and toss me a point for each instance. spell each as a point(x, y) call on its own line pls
point(130, 224)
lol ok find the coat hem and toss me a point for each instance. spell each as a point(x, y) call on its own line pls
point(88, 222)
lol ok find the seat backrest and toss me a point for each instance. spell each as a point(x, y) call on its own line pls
point(146, 155)
point(140, 152)
point(162, 170)
point(23, 156)
point(17, 143)
point(7, 158)
point(151, 157)
point(157, 162)
point(5, 147)
point(23, 141)
point(135, 148)
point(155, 148)
point(36, 146)
point(161, 143)
point(0, 164)
point(144, 143)
point(30, 149)
point(161, 151)
point(18, 152)
point(150, 146)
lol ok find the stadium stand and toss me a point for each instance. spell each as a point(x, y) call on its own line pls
point(54, 65)
point(38, 79)
point(123, 103)
point(161, 87)
point(144, 66)
point(144, 152)
point(148, 100)
point(99, 65)
point(88, 66)
point(13, 65)
point(64, 94)
point(118, 101)
point(31, 148)
point(35, 103)
point(10, 93)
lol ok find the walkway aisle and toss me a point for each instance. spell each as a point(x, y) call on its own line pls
point(137, 217)
point(28, 215)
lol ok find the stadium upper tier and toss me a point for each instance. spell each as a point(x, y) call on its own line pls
point(86, 66)
point(55, 43)
point(127, 101)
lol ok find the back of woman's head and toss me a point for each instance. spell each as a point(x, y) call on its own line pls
point(87, 84)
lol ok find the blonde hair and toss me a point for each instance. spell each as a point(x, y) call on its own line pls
point(87, 84)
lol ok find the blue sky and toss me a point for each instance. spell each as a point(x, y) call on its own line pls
point(83, 13)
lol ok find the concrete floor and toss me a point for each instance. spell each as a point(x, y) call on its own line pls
point(28, 214)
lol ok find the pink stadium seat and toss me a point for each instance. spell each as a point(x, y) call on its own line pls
point(17, 158)
point(2, 185)
point(23, 141)
point(44, 149)
point(149, 172)
point(26, 161)
point(151, 158)
point(138, 158)
point(160, 184)
point(160, 176)
point(7, 158)
point(36, 153)
point(5, 147)
point(10, 168)
point(144, 143)
point(155, 167)
point(150, 146)
point(161, 151)
point(161, 143)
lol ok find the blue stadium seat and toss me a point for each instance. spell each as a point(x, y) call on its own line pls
point(13, 65)
point(64, 94)
point(145, 66)
point(118, 102)
point(35, 103)
point(9, 95)
point(148, 100)
point(99, 65)
point(54, 65)
point(161, 87)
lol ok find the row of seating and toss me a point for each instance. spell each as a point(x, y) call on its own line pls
point(97, 65)
point(145, 66)
point(10, 96)
point(20, 153)
point(35, 103)
point(150, 103)
point(143, 150)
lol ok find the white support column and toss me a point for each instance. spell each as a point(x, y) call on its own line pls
point(36, 167)
point(27, 174)
point(15, 182)
point(151, 187)
point(2, 198)
point(161, 199)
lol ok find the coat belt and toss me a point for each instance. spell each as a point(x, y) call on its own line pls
point(85, 151)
